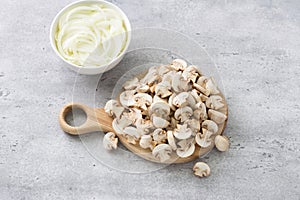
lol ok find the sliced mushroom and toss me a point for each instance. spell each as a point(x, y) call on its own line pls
point(187, 148)
point(131, 84)
point(200, 113)
point(162, 152)
point(110, 141)
point(113, 108)
point(119, 124)
point(201, 89)
point(132, 135)
point(163, 89)
point(160, 109)
point(222, 143)
point(134, 114)
point(179, 64)
point(174, 122)
point(159, 136)
point(144, 126)
point(216, 116)
point(191, 73)
point(181, 99)
point(159, 122)
point(214, 102)
point(170, 102)
point(204, 140)
point(183, 113)
point(127, 98)
point(171, 140)
point(201, 169)
point(194, 125)
point(179, 84)
point(210, 126)
point(146, 142)
point(151, 77)
point(209, 84)
point(194, 94)
point(164, 69)
point(203, 97)
point(158, 99)
point(142, 88)
point(182, 132)
point(142, 100)
point(168, 77)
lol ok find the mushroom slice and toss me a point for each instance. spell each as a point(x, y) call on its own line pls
point(142, 100)
point(163, 89)
point(164, 69)
point(191, 73)
point(201, 169)
point(119, 124)
point(204, 140)
point(183, 113)
point(181, 99)
point(162, 152)
point(132, 135)
point(194, 125)
point(179, 64)
point(182, 132)
point(113, 108)
point(147, 142)
point(160, 109)
point(171, 140)
point(203, 97)
point(133, 115)
point(170, 102)
point(216, 116)
point(158, 99)
point(144, 126)
point(187, 148)
point(110, 141)
point(179, 84)
point(222, 143)
point(168, 77)
point(201, 89)
point(200, 113)
point(127, 98)
point(210, 126)
point(209, 84)
point(214, 102)
point(159, 136)
point(159, 122)
point(151, 77)
point(194, 94)
point(131, 84)
point(174, 123)
point(142, 88)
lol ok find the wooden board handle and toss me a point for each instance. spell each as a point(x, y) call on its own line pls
point(96, 120)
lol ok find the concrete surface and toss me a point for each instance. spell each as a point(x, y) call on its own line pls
point(256, 46)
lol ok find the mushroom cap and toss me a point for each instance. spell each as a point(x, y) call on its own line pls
point(161, 109)
point(216, 116)
point(162, 152)
point(110, 141)
point(159, 122)
point(222, 143)
point(182, 132)
point(210, 126)
point(201, 169)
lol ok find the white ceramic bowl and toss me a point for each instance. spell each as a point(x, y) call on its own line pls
point(90, 70)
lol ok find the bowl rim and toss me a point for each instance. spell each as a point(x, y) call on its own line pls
point(65, 9)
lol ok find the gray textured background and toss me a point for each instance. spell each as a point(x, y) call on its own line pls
point(256, 46)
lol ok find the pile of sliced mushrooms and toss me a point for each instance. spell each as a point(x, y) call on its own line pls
point(172, 108)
